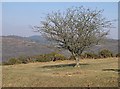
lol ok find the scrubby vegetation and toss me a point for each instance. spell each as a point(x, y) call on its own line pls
point(12, 61)
point(56, 56)
point(105, 53)
point(49, 57)
point(37, 58)
point(90, 55)
point(26, 60)
point(118, 55)
point(86, 55)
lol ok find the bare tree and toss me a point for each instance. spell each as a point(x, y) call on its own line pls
point(75, 29)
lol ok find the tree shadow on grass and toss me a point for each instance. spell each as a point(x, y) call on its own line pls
point(116, 70)
point(62, 65)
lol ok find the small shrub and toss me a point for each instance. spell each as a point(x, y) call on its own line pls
point(118, 55)
point(5, 63)
point(22, 59)
point(25, 60)
point(105, 53)
point(12, 61)
point(42, 59)
point(59, 57)
point(96, 56)
point(0, 63)
point(90, 55)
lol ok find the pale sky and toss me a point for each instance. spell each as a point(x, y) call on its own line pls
point(17, 17)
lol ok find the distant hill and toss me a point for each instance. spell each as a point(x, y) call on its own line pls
point(15, 46)
point(39, 39)
point(110, 44)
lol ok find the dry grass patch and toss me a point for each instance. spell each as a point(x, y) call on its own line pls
point(92, 72)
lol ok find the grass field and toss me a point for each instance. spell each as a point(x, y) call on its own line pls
point(92, 73)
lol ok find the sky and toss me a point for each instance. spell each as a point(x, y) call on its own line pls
point(17, 17)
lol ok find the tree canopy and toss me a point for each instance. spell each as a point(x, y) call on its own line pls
point(75, 29)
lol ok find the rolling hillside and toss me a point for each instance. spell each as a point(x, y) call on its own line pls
point(14, 46)
point(110, 44)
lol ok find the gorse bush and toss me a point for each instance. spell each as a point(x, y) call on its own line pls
point(105, 53)
point(90, 55)
point(20, 60)
point(42, 58)
point(50, 57)
point(118, 55)
point(25, 60)
point(12, 61)
point(59, 57)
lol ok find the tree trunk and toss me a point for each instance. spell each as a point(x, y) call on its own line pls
point(77, 61)
point(77, 58)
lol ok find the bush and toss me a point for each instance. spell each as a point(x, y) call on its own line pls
point(118, 55)
point(96, 56)
point(19, 60)
point(105, 53)
point(0, 63)
point(86, 55)
point(90, 55)
point(50, 57)
point(42, 58)
point(12, 61)
point(25, 60)
point(59, 57)
point(22, 59)
point(5, 63)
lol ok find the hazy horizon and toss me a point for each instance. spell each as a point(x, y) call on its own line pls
point(17, 17)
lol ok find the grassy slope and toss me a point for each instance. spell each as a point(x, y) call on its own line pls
point(92, 73)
